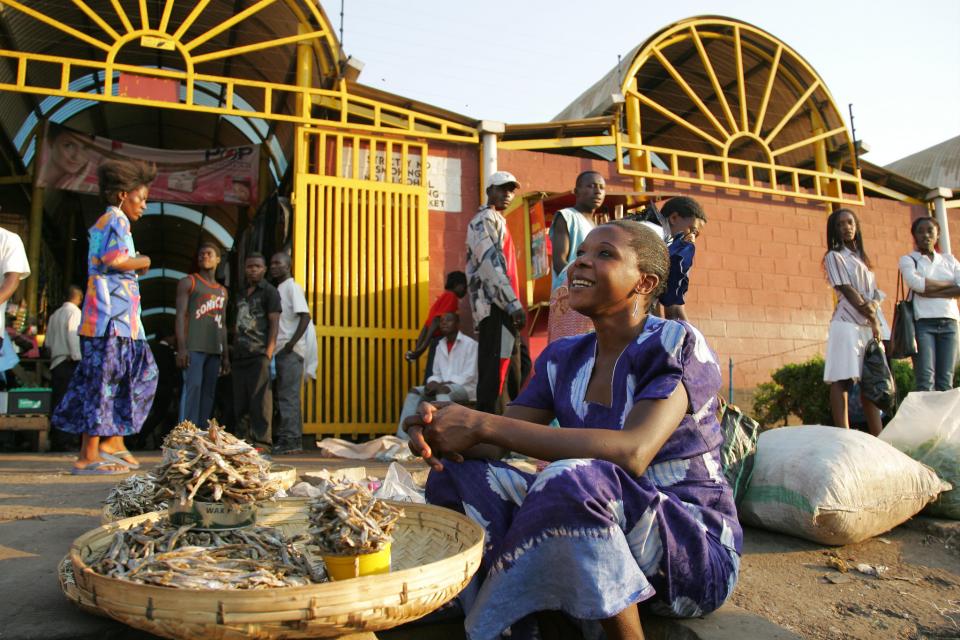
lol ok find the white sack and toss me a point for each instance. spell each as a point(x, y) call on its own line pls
point(833, 486)
point(927, 428)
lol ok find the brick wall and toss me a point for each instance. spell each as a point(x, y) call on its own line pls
point(758, 291)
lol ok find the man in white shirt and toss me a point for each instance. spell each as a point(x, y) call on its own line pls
point(289, 357)
point(13, 266)
point(454, 377)
point(63, 342)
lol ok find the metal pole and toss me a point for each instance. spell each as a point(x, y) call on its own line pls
point(730, 390)
point(35, 230)
point(938, 197)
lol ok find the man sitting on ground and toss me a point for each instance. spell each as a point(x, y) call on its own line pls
point(454, 377)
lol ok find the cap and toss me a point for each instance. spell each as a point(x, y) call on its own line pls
point(501, 177)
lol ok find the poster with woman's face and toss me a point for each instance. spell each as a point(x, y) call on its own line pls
point(68, 160)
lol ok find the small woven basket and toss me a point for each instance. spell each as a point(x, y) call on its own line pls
point(283, 476)
point(435, 553)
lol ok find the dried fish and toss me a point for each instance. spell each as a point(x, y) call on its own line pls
point(251, 558)
point(345, 519)
point(133, 496)
point(211, 466)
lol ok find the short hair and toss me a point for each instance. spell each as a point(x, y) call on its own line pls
point(685, 207)
point(255, 255)
point(930, 219)
point(583, 174)
point(651, 252)
point(288, 260)
point(73, 290)
point(125, 174)
point(210, 245)
point(454, 278)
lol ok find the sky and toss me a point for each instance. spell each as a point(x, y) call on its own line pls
point(519, 61)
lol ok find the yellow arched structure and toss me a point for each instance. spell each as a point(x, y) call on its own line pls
point(277, 61)
point(723, 103)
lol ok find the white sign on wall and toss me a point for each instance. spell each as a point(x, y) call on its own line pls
point(443, 176)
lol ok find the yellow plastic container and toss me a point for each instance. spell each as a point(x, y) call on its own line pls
point(368, 564)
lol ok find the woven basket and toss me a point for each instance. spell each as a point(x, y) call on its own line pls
point(435, 553)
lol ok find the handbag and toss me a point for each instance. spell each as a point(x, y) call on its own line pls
point(903, 333)
point(876, 381)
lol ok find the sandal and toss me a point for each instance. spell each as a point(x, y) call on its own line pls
point(116, 458)
point(97, 469)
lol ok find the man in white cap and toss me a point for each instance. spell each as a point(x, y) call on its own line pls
point(494, 288)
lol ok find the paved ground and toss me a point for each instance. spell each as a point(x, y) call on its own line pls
point(43, 509)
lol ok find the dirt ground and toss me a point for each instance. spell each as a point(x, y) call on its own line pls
point(784, 580)
point(792, 583)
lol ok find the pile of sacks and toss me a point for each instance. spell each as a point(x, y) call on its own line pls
point(838, 486)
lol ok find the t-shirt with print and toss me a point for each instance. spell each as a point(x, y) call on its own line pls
point(253, 325)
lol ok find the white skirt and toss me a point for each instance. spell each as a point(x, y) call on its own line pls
point(846, 344)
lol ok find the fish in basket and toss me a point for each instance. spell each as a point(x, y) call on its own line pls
point(435, 552)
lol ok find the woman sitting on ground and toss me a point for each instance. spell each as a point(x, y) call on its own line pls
point(634, 507)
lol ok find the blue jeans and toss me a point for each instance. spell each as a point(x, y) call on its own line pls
point(199, 388)
point(936, 354)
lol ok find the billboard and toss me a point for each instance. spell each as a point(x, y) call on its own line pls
point(69, 159)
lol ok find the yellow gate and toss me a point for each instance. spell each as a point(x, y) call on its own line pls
point(360, 252)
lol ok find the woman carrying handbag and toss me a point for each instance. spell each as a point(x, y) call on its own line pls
point(857, 319)
point(934, 280)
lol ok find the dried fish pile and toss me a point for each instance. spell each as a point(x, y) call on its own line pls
point(211, 466)
point(132, 497)
point(345, 519)
point(159, 554)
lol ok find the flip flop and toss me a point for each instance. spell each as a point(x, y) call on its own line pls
point(95, 469)
point(116, 459)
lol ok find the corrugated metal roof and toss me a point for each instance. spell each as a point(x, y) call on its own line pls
point(936, 166)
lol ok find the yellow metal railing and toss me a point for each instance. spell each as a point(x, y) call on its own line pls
point(351, 112)
point(361, 251)
point(760, 177)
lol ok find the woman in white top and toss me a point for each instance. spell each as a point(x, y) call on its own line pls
point(857, 319)
point(934, 280)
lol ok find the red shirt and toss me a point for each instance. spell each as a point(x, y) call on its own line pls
point(446, 302)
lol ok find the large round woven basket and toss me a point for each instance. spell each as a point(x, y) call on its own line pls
point(435, 553)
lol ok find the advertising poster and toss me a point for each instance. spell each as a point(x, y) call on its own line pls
point(69, 159)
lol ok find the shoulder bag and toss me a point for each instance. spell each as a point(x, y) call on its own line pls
point(903, 333)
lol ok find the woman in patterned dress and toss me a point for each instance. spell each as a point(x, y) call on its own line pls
point(112, 388)
point(634, 507)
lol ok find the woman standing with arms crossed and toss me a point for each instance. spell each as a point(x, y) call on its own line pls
point(934, 279)
point(112, 389)
point(857, 318)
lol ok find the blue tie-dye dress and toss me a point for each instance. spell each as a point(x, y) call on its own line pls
point(585, 536)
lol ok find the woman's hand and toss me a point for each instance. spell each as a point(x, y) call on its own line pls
point(414, 426)
point(441, 430)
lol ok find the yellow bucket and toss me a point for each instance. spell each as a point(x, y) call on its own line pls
point(367, 564)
